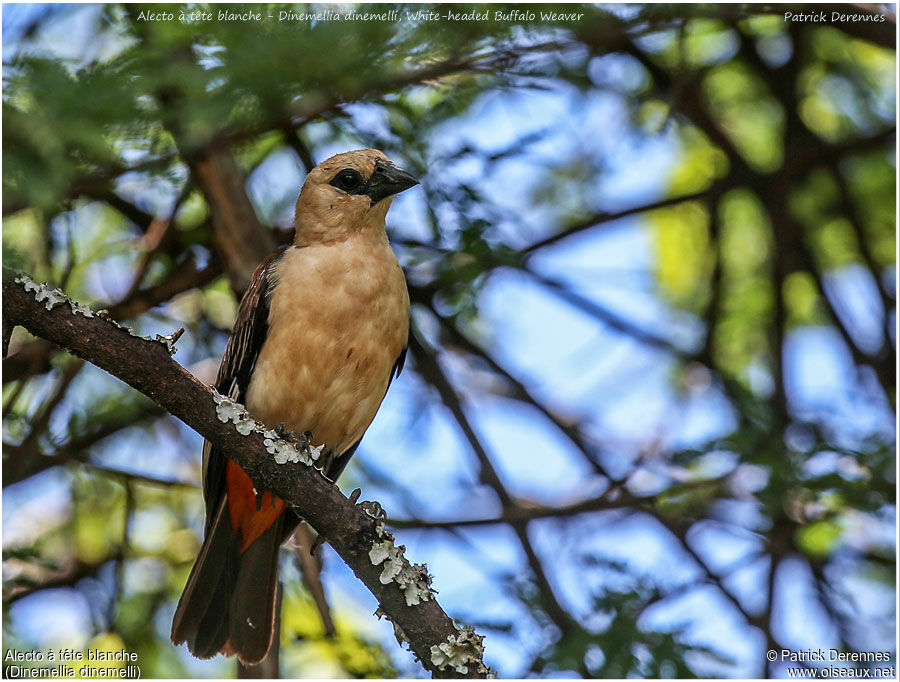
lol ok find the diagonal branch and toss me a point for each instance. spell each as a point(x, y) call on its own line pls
point(350, 529)
point(65, 576)
point(33, 357)
point(606, 316)
point(614, 498)
point(569, 428)
point(431, 371)
point(607, 217)
point(237, 232)
point(20, 463)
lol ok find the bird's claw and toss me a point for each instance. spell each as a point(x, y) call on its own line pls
point(326, 461)
point(320, 539)
point(373, 509)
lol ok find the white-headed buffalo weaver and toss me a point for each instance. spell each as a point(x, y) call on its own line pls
point(321, 332)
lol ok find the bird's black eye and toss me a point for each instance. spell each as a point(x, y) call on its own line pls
point(348, 180)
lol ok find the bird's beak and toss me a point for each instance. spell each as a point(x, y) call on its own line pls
point(387, 180)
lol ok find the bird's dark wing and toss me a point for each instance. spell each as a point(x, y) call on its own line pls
point(243, 348)
point(398, 365)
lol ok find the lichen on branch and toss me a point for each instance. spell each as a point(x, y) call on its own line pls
point(283, 464)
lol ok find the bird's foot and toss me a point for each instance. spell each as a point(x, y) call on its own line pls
point(370, 507)
point(318, 542)
point(373, 509)
point(325, 461)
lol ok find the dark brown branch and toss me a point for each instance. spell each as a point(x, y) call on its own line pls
point(570, 429)
point(97, 182)
point(20, 463)
point(238, 235)
point(851, 211)
point(713, 307)
point(185, 277)
point(159, 237)
point(605, 316)
point(34, 356)
point(766, 619)
point(135, 214)
point(587, 306)
point(781, 225)
point(298, 144)
point(825, 595)
point(67, 576)
point(310, 566)
point(607, 217)
point(428, 367)
point(135, 477)
point(148, 367)
point(883, 363)
point(680, 528)
point(431, 371)
point(615, 498)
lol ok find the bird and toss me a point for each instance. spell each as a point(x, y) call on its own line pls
point(321, 332)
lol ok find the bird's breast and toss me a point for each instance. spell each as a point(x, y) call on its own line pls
point(338, 320)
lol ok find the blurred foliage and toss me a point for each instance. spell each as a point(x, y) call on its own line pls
point(781, 137)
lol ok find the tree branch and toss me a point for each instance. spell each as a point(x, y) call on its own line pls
point(66, 576)
point(606, 217)
point(571, 429)
point(20, 462)
point(33, 357)
point(614, 498)
point(237, 233)
point(359, 539)
point(431, 372)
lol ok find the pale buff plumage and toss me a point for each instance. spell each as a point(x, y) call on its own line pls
point(320, 330)
point(338, 314)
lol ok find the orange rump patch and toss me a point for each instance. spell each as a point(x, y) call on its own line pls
point(246, 519)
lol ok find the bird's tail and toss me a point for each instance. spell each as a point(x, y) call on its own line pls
point(228, 604)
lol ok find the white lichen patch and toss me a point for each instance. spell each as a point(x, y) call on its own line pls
point(228, 410)
point(412, 579)
point(390, 557)
point(285, 451)
point(168, 341)
point(418, 584)
point(56, 296)
point(379, 552)
point(459, 652)
point(315, 451)
point(42, 292)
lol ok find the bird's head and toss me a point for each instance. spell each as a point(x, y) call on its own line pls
point(347, 193)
